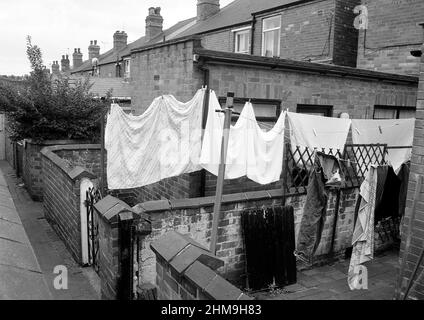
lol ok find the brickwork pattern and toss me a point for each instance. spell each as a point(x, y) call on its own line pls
point(356, 97)
point(62, 205)
point(181, 275)
point(417, 233)
point(162, 70)
point(197, 223)
point(392, 33)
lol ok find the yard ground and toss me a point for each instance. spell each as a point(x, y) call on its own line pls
point(330, 282)
point(83, 283)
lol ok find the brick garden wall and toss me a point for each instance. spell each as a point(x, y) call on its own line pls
point(194, 217)
point(61, 189)
point(186, 271)
point(31, 166)
point(392, 33)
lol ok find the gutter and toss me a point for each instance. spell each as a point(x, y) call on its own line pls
point(217, 57)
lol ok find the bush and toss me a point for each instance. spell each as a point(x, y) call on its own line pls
point(47, 109)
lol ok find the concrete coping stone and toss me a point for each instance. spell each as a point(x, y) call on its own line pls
point(165, 205)
point(73, 172)
point(110, 208)
point(212, 284)
point(180, 251)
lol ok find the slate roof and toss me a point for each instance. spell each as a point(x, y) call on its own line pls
point(237, 12)
point(112, 56)
point(101, 86)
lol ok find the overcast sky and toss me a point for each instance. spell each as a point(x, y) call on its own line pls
point(59, 26)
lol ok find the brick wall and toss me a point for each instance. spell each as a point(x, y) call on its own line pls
point(415, 236)
point(304, 31)
point(186, 271)
point(62, 201)
point(194, 218)
point(222, 40)
point(345, 34)
point(392, 33)
point(32, 169)
point(164, 69)
point(108, 258)
point(354, 96)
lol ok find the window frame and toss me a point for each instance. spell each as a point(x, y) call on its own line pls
point(310, 108)
point(127, 62)
point(271, 30)
point(392, 108)
point(247, 31)
point(270, 102)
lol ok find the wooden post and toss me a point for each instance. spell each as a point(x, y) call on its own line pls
point(228, 111)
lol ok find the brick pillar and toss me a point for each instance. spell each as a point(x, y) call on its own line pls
point(185, 270)
point(409, 256)
point(111, 212)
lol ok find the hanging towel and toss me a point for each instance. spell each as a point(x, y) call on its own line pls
point(252, 152)
point(363, 235)
point(324, 133)
point(394, 133)
point(163, 142)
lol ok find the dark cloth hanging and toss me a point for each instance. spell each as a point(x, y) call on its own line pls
point(326, 173)
point(330, 167)
point(388, 205)
point(269, 239)
point(403, 176)
point(313, 218)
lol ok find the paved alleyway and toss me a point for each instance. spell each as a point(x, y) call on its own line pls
point(330, 282)
point(83, 283)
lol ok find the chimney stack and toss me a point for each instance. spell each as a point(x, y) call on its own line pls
point(93, 50)
point(119, 40)
point(154, 23)
point(55, 67)
point(76, 58)
point(65, 63)
point(206, 8)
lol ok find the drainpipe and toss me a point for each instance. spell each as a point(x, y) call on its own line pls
point(252, 34)
point(206, 83)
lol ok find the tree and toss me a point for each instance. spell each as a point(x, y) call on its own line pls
point(50, 109)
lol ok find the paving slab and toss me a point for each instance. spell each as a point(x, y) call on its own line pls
point(49, 250)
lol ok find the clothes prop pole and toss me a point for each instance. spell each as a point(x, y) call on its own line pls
point(102, 152)
point(409, 235)
point(228, 112)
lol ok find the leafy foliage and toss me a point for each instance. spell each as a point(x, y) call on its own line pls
point(44, 108)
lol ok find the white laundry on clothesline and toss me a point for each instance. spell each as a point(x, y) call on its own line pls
point(165, 141)
point(251, 151)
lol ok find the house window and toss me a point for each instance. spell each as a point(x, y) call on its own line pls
point(390, 112)
point(315, 110)
point(271, 28)
point(127, 65)
point(242, 41)
point(267, 111)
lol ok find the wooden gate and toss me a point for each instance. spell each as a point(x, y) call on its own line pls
point(269, 238)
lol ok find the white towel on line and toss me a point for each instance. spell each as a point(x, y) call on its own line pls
point(252, 152)
point(394, 133)
point(318, 132)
